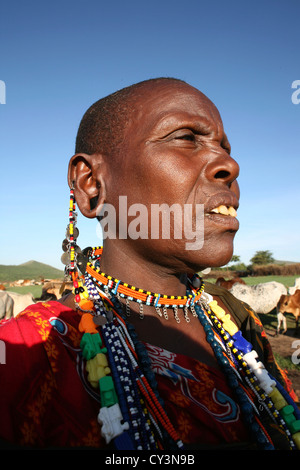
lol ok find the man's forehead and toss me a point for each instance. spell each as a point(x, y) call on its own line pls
point(170, 99)
point(176, 90)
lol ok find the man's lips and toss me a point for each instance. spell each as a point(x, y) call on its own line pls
point(225, 203)
point(222, 208)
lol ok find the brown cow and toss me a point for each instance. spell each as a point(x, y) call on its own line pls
point(54, 290)
point(288, 304)
point(228, 284)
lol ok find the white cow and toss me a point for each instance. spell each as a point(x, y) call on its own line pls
point(262, 298)
point(6, 305)
point(295, 287)
point(21, 301)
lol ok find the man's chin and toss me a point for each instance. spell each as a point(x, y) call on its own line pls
point(216, 258)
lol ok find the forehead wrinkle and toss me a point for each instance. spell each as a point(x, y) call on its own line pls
point(167, 105)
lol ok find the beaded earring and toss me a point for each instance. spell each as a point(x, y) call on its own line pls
point(69, 244)
point(74, 258)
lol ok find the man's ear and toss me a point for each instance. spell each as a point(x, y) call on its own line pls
point(86, 174)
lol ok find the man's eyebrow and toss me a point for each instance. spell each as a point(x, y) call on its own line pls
point(169, 122)
point(172, 121)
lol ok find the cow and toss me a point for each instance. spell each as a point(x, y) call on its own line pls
point(21, 301)
point(292, 290)
point(54, 290)
point(228, 284)
point(288, 304)
point(262, 298)
point(6, 305)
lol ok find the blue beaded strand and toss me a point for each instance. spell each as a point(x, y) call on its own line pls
point(240, 346)
point(145, 365)
point(140, 349)
point(288, 398)
point(125, 383)
point(246, 406)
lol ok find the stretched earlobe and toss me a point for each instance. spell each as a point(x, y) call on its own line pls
point(86, 174)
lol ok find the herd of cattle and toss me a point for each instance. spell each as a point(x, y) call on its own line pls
point(265, 297)
point(262, 298)
point(12, 303)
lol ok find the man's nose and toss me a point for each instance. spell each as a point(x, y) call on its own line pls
point(222, 169)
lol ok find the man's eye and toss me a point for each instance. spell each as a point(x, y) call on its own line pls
point(189, 136)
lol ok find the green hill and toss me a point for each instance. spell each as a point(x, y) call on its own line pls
point(29, 270)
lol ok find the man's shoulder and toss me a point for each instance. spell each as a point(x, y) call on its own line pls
point(37, 320)
point(238, 309)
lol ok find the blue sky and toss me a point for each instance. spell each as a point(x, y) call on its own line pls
point(59, 57)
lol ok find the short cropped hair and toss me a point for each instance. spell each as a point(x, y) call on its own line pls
point(102, 127)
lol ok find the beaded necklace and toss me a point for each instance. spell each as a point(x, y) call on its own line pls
point(132, 413)
point(161, 303)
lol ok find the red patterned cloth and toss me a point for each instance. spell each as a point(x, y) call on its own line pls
point(46, 401)
point(43, 401)
point(197, 398)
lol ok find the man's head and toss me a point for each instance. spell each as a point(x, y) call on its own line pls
point(159, 142)
point(101, 130)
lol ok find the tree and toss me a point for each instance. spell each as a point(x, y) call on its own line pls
point(262, 257)
point(235, 264)
point(235, 259)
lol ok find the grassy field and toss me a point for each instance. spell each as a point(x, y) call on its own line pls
point(287, 281)
point(36, 291)
point(269, 320)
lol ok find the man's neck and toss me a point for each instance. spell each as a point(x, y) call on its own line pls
point(140, 272)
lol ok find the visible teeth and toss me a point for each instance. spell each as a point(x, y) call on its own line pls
point(225, 210)
point(232, 211)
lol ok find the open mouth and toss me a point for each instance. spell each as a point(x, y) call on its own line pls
point(225, 210)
